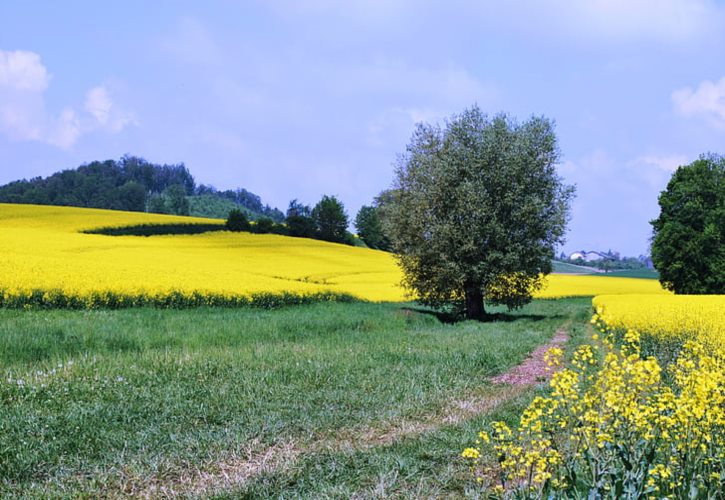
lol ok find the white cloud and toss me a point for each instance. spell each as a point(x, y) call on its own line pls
point(23, 113)
point(99, 104)
point(107, 115)
point(22, 71)
point(66, 130)
point(707, 100)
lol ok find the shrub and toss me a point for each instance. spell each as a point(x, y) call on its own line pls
point(156, 229)
point(264, 225)
point(237, 221)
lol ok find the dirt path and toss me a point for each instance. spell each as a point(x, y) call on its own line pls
point(534, 368)
point(236, 470)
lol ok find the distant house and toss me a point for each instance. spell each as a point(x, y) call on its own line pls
point(588, 256)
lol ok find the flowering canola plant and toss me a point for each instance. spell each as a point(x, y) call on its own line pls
point(46, 260)
point(665, 318)
point(614, 426)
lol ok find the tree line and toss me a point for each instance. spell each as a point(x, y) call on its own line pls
point(134, 184)
point(327, 221)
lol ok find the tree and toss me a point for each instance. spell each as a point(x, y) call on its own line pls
point(370, 228)
point(688, 242)
point(157, 204)
point(299, 220)
point(132, 196)
point(331, 220)
point(264, 225)
point(177, 202)
point(237, 221)
point(476, 211)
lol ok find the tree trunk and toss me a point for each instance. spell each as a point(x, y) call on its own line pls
point(474, 303)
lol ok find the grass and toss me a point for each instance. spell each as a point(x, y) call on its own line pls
point(566, 268)
point(427, 465)
point(635, 273)
point(121, 402)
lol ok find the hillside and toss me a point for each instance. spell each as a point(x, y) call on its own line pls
point(42, 249)
point(566, 268)
point(134, 184)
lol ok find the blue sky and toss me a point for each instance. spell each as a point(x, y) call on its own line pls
point(295, 99)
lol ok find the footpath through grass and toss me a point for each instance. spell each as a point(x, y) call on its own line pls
point(142, 400)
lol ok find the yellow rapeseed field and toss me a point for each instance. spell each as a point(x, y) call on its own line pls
point(42, 248)
point(695, 317)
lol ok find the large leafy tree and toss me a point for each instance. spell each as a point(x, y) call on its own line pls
point(476, 211)
point(689, 234)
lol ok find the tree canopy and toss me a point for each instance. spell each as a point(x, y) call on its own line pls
point(132, 183)
point(370, 228)
point(299, 220)
point(237, 221)
point(689, 234)
point(331, 220)
point(477, 210)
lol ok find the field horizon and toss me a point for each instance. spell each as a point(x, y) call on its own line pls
point(48, 259)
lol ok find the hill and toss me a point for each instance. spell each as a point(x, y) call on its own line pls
point(47, 260)
point(134, 184)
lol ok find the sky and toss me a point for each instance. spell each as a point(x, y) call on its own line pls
point(296, 99)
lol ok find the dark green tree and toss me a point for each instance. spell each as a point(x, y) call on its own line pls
point(157, 204)
point(688, 242)
point(299, 220)
point(264, 225)
point(331, 220)
point(370, 228)
point(476, 211)
point(132, 196)
point(176, 200)
point(238, 221)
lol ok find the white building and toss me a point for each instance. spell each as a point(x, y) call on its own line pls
point(587, 256)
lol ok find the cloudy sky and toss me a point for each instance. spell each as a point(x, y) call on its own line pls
point(295, 99)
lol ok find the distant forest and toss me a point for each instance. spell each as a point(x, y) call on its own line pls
point(135, 184)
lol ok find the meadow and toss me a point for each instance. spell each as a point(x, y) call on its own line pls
point(141, 401)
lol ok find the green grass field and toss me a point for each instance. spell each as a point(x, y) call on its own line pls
point(326, 400)
point(650, 274)
point(566, 268)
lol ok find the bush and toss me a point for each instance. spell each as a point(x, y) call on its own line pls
point(237, 221)
point(264, 225)
point(156, 229)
